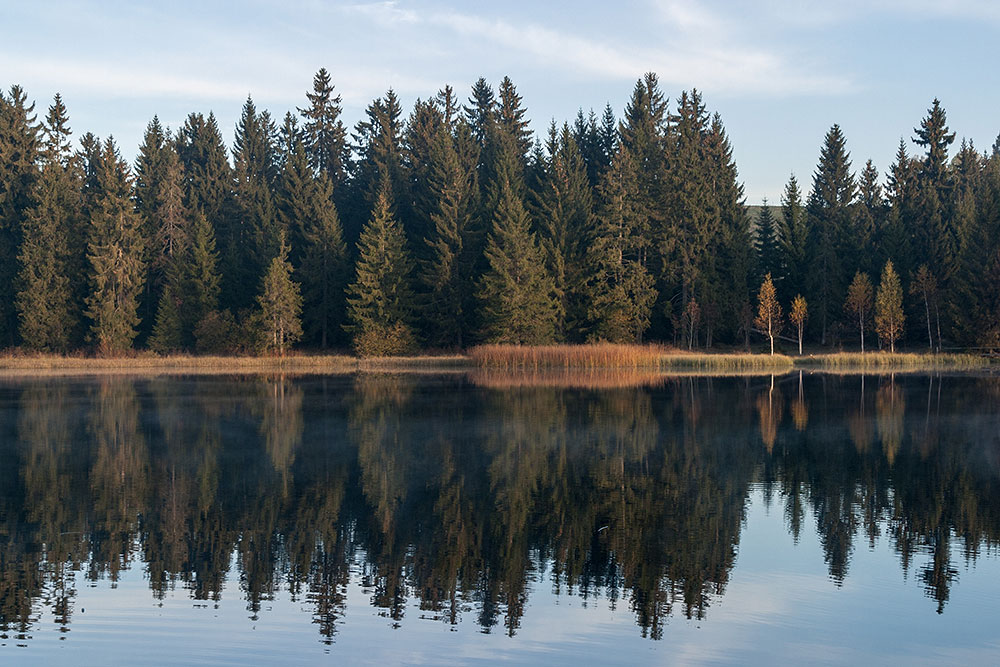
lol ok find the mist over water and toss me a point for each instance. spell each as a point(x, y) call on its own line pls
point(552, 518)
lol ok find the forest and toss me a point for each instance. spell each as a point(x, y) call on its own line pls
point(458, 225)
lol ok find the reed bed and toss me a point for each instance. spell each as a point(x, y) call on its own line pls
point(894, 361)
point(728, 362)
point(597, 355)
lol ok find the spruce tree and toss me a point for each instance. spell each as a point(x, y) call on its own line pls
point(935, 237)
point(869, 220)
point(896, 240)
point(829, 217)
point(252, 240)
point(325, 134)
point(768, 243)
point(116, 252)
point(280, 304)
point(621, 289)
point(446, 274)
point(517, 295)
point(324, 267)
point(379, 163)
point(794, 239)
point(48, 316)
point(380, 300)
point(564, 211)
point(19, 146)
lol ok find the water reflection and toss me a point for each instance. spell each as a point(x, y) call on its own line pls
point(465, 492)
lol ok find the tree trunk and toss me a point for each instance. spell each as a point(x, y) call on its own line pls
point(861, 328)
point(800, 340)
point(927, 312)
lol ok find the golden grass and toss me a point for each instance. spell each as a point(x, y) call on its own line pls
point(597, 355)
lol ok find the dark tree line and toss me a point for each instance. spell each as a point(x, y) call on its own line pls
point(458, 225)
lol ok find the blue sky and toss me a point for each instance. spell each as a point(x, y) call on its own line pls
point(779, 71)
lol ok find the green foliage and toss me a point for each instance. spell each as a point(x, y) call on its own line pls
point(116, 251)
point(380, 300)
point(280, 304)
point(518, 296)
point(621, 289)
point(859, 302)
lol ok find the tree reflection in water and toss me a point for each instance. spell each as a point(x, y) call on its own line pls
point(465, 492)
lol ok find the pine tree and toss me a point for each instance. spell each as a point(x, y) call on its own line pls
point(621, 289)
point(280, 304)
point(935, 236)
point(208, 178)
point(869, 220)
point(517, 294)
point(116, 251)
point(768, 311)
point(380, 300)
point(889, 317)
point(896, 239)
point(379, 164)
point(859, 302)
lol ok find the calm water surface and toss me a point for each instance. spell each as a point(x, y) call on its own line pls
point(459, 518)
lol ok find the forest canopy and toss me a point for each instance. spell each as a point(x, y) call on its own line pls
point(457, 224)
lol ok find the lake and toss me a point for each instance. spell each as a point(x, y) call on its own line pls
point(457, 518)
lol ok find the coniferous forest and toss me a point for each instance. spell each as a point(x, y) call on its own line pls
point(456, 224)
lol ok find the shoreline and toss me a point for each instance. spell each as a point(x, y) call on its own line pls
point(685, 363)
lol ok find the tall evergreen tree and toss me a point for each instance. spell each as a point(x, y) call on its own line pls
point(518, 296)
point(564, 211)
point(768, 243)
point(252, 239)
point(48, 315)
point(116, 252)
point(380, 300)
point(935, 237)
point(621, 289)
point(446, 274)
point(896, 239)
point(325, 134)
point(379, 162)
point(324, 267)
point(829, 219)
point(280, 303)
point(19, 147)
point(794, 239)
point(208, 176)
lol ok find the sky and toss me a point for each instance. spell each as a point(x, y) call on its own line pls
point(780, 72)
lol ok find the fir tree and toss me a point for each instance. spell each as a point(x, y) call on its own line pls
point(829, 214)
point(325, 134)
point(19, 146)
point(280, 304)
point(48, 314)
point(324, 267)
point(794, 238)
point(252, 240)
point(564, 211)
point(621, 289)
point(889, 317)
point(768, 243)
point(935, 236)
point(116, 251)
point(517, 294)
point(379, 164)
point(447, 273)
point(869, 221)
point(380, 300)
